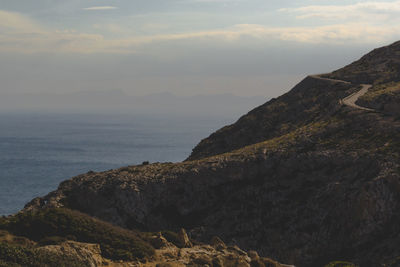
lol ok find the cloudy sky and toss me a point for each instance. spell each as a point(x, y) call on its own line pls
point(186, 47)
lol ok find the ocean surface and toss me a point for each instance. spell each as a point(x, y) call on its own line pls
point(39, 150)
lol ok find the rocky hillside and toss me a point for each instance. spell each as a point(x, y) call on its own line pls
point(382, 65)
point(302, 179)
point(310, 100)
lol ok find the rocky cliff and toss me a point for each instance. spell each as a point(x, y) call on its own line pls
point(302, 179)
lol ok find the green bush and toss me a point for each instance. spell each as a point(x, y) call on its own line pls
point(52, 225)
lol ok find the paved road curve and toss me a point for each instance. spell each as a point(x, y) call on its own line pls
point(351, 99)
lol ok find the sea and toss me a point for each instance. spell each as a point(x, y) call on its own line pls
point(38, 150)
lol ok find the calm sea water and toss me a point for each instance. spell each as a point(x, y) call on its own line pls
point(38, 151)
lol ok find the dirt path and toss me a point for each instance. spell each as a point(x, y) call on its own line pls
point(351, 99)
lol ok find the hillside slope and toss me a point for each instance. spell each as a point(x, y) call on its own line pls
point(301, 179)
point(310, 100)
point(382, 65)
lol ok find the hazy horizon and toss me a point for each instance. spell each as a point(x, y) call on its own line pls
point(118, 102)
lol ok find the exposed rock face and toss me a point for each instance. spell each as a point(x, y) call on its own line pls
point(184, 239)
point(159, 241)
point(88, 254)
point(300, 179)
point(206, 255)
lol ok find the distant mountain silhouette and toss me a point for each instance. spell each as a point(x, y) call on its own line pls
point(118, 101)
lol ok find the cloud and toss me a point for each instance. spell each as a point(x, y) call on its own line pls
point(331, 34)
point(11, 22)
point(21, 34)
point(364, 10)
point(215, 1)
point(100, 8)
point(338, 33)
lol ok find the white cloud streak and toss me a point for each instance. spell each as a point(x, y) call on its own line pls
point(365, 10)
point(100, 8)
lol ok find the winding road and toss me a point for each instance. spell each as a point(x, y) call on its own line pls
point(351, 99)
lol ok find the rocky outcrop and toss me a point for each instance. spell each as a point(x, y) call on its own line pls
point(159, 241)
point(167, 255)
point(215, 255)
point(184, 239)
point(86, 254)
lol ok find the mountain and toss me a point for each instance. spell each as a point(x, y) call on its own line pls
point(308, 178)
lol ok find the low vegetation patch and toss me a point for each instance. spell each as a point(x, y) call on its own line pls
point(52, 226)
point(390, 89)
point(16, 256)
point(341, 264)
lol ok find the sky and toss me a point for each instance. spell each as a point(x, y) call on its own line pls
point(185, 47)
